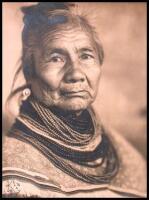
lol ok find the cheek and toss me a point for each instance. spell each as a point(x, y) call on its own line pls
point(51, 78)
point(93, 76)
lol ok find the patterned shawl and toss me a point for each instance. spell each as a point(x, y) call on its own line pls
point(76, 145)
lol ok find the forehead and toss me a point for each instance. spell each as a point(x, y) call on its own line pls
point(71, 38)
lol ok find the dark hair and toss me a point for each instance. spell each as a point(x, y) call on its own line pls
point(45, 17)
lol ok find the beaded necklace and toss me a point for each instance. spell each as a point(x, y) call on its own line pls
point(80, 155)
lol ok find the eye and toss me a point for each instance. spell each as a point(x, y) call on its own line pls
point(56, 59)
point(86, 56)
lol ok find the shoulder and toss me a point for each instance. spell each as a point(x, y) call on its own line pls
point(131, 177)
point(132, 166)
point(17, 153)
point(25, 171)
point(21, 155)
point(126, 151)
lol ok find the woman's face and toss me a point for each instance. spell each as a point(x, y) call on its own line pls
point(67, 70)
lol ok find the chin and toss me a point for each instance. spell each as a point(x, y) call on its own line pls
point(75, 104)
point(68, 104)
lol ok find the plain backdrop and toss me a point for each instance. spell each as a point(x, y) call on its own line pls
point(121, 101)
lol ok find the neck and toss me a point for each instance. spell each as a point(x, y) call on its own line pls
point(66, 113)
point(80, 121)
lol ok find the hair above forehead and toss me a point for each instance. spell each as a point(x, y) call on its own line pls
point(47, 6)
point(38, 19)
point(47, 15)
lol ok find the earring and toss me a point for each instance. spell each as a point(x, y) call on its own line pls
point(26, 93)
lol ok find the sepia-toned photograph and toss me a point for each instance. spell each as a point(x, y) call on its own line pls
point(74, 99)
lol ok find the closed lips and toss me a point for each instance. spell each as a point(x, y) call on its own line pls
point(75, 93)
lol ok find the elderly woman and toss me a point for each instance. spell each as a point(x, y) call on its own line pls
point(57, 146)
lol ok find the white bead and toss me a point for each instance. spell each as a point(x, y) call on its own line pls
point(26, 92)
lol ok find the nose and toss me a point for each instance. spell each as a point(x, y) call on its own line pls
point(74, 74)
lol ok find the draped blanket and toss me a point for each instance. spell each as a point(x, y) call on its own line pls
point(76, 145)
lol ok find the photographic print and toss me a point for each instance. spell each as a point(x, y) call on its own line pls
point(74, 99)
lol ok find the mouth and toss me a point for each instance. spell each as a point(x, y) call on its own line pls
point(71, 94)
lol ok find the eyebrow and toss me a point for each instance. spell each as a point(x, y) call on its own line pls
point(56, 50)
point(87, 49)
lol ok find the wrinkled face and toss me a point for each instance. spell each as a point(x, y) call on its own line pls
point(67, 70)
